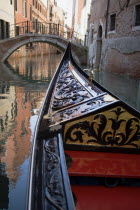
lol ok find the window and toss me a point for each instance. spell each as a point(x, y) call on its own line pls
point(85, 2)
point(2, 29)
point(112, 22)
point(34, 23)
point(17, 30)
point(15, 5)
point(85, 40)
point(31, 13)
point(55, 3)
point(25, 9)
point(7, 30)
point(137, 19)
point(51, 14)
point(47, 4)
point(92, 35)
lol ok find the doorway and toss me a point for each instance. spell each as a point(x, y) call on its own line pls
point(98, 48)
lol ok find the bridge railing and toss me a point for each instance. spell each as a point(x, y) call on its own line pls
point(36, 27)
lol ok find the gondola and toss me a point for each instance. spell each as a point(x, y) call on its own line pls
point(86, 146)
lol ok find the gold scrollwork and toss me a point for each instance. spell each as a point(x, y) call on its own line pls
point(113, 128)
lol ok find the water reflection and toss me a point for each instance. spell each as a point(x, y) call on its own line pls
point(127, 89)
point(22, 89)
point(37, 68)
point(4, 188)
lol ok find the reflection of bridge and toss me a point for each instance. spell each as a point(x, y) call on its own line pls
point(27, 34)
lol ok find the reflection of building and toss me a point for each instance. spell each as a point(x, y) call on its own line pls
point(18, 142)
point(7, 109)
point(15, 129)
point(114, 36)
point(6, 19)
point(35, 68)
point(17, 102)
point(15, 132)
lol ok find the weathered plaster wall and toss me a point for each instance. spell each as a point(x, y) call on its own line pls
point(121, 47)
point(120, 59)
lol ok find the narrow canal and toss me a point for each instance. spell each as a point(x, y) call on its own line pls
point(23, 83)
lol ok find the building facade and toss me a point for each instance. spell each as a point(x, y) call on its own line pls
point(80, 19)
point(56, 17)
point(33, 16)
point(114, 36)
point(23, 14)
point(39, 16)
point(6, 19)
point(30, 16)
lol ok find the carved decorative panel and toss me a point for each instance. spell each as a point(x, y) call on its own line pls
point(71, 89)
point(82, 108)
point(54, 189)
point(112, 128)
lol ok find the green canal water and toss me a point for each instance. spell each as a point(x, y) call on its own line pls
point(23, 83)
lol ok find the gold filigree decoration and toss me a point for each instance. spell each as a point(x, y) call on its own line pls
point(113, 128)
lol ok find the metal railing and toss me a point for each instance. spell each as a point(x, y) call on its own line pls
point(39, 28)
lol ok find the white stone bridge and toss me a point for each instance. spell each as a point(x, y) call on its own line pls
point(9, 45)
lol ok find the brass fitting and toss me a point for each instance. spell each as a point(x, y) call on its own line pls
point(91, 75)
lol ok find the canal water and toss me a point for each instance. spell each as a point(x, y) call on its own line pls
point(23, 83)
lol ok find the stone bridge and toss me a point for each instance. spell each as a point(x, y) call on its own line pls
point(8, 46)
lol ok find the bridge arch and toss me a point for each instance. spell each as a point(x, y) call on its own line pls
point(13, 48)
point(8, 46)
